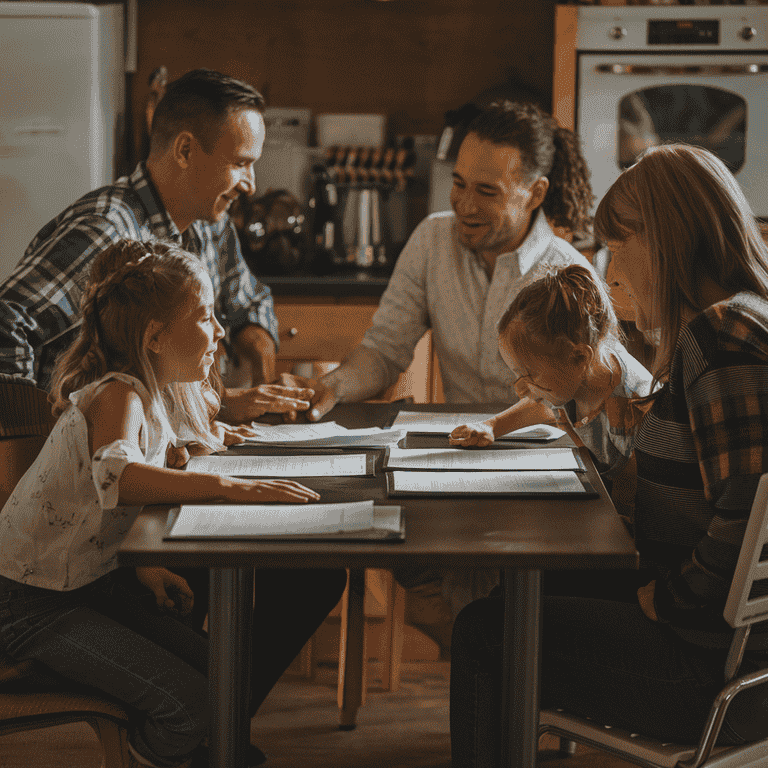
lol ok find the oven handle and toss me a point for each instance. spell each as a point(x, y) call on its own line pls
point(681, 69)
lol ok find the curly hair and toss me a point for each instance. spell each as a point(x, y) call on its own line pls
point(548, 150)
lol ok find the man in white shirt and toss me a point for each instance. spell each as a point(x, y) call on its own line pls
point(516, 172)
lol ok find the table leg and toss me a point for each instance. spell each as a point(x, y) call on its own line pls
point(230, 621)
point(520, 681)
point(352, 656)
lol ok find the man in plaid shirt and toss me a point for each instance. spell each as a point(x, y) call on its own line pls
point(207, 133)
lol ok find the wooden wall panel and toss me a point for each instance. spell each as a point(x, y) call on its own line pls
point(409, 59)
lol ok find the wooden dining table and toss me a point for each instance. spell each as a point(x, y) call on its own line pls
point(520, 537)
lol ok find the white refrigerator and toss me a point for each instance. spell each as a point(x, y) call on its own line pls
point(62, 108)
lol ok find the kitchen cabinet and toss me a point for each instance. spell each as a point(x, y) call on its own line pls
point(318, 331)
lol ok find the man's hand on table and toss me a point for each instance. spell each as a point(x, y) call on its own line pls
point(243, 405)
point(321, 401)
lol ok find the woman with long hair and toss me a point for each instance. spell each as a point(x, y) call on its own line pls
point(688, 251)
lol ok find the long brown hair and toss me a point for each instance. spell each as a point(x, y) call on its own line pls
point(686, 207)
point(130, 284)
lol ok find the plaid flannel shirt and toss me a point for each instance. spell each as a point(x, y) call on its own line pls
point(700, 451)
point(40, 301)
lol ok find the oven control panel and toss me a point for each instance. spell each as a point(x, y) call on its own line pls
point(683, 32)
point(682, 27)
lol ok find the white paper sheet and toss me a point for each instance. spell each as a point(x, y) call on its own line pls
point(326, 434)
point(484, 459)
point(486, 482)
point(294, 432)
point(445, 423)
point(281, 466)
point(237, 520)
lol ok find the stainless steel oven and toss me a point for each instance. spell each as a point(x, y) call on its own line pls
point(643, 75)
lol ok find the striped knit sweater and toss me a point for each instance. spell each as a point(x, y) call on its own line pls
point(700, 452)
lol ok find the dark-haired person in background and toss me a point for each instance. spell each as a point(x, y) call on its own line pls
point(516, 171)
point(207, 133)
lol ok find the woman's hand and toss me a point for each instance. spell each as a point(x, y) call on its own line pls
point(162, 582)
point(265, 491)
point(477, 433)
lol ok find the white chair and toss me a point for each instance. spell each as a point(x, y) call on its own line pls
point(741, 611)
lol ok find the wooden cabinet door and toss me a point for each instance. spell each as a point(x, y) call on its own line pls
point(327, 333)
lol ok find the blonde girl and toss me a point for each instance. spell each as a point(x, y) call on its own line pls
point(561, 339)
point(131, 385)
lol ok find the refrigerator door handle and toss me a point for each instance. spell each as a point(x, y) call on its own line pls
point(34, 129)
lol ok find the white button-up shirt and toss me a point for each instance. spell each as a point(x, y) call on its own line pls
point(437, 283)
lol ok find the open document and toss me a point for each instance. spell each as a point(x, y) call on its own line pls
point(344, 465)
point(530, 459)
point(327, 434)
point(357, 520)
point(520, 484)
point(445, 423)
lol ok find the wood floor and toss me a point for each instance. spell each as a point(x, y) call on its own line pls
point(298, 728)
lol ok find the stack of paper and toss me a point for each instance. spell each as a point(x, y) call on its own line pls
point(460, 458)
point(445, 423)
point(458, 471)
point(494, 483)
point(325, 434)
point(348, 465)
point(348, 521)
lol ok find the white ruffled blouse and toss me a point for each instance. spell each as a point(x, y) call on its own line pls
point(62, 525)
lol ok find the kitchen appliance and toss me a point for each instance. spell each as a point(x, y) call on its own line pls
point(62, 110)
point(631, 77)
point(286, 157)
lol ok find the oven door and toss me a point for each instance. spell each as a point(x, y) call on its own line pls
point(627, 102)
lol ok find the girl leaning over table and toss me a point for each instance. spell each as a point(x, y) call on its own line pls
point(133, 383)
point(561, 339)
point(647, 652)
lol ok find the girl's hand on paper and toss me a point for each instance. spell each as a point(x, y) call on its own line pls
point(264, 491)
point(178, 457)
point(478, 434)
point(232, 434)
point(224, 433)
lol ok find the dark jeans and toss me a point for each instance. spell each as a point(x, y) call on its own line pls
point(110, 636)
point(602, 659)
